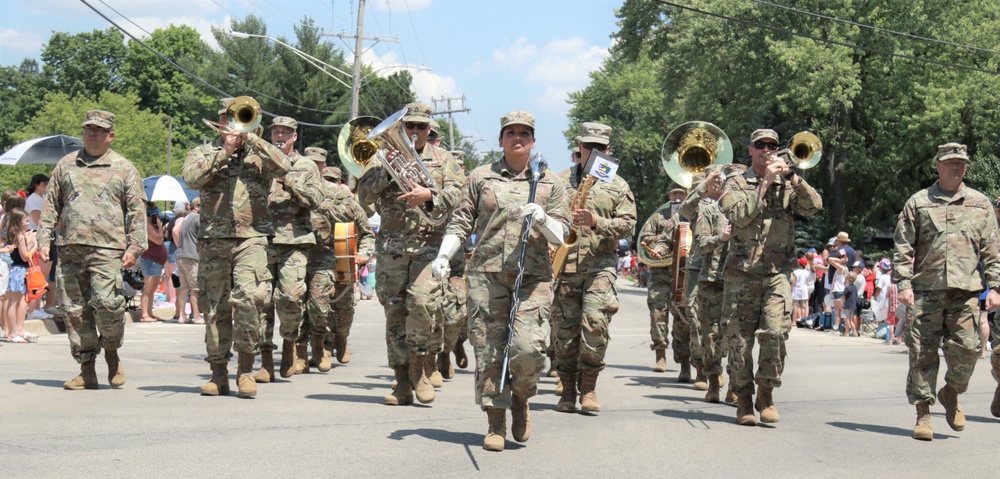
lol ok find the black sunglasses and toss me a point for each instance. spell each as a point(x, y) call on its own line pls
point(595, 146)
point(577, 154)
point(765, 145)
point(416, 126)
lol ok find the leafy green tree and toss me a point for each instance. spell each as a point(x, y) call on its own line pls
point(21, 92)
point(85, 63)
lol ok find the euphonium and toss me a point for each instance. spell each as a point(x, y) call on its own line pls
point(401, 160)
point(356, 151)
point(692, 147)
point(244, 115)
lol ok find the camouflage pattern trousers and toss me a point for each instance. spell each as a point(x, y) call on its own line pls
point(691, 316)
point(235, 286)
point(756, 306)
point(489, 317)
point(581, 315)
point(661, 307)
point(993, 320)
point(89, 285)
point(951, 316)
point(411, 297)
point(455, 313)
point(330, 307)
point(287, 265)
point(712, 329)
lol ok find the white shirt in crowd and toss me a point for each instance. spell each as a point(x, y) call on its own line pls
point(34, 202)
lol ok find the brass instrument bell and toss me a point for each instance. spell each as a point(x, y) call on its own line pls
point(243, 114)
point(692, 147)
point(803, 152)
point(356, 151)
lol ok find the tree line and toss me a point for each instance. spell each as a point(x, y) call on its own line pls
point(158, 105)
point(879, 114)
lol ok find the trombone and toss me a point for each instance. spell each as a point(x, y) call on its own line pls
point(804, 151)
point(244, 115)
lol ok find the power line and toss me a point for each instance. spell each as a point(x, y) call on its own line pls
point(185, 71)
point(824, 40)
point(872, 27)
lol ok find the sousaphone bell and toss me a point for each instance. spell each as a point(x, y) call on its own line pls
point(692, 147)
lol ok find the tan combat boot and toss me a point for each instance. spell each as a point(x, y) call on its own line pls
point(86, 380)
point(567, 403)
point(744, 411)
point(588, 397)
point(922, 431)
point(287, 358)
point(421, 384)
point(219, 384)
point(712, 395)
point(461, 360)
point(520, 419)
point(321, 358)
point(765, 405)
point(301, 365)
point(952, 409)
point(497, 433)
point(431, 370)
point(266, 372)
point(340, 343)
point(995, 405)
point(700, 381)
point(552, 365)
point(244, 376)
point(661, 361)
point(402, 391)
point(116, 373)
point(685, 374)
point(444, 365)
point(730, 395)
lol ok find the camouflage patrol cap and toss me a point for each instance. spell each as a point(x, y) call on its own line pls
point(316, 154)
point(417, 113)
point(435, 126)
point(224, 104)
point(458, 154)
point(675, 187)
point(591, 132)
point(101, 118)
point(762, 134)
point(950, 151)
point(285, 121)
point(331, 173)
point(517, 117)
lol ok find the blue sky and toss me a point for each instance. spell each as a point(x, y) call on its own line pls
point(502, 56)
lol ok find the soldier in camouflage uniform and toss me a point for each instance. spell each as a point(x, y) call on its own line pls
point(658, 234)
point(96, 197)
point(234, 175)
point(690, 211)
point(757, 299)
point(493, 207)
point(331, 303)
point(454, 310)
point(711, 240)
point(944, 233)
point(585, 294)
point(406, 246)
point(292, 198)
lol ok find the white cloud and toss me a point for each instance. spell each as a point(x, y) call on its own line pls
point(202, 25)
point(426, 84)
point(517, 56)
point(399, 5)
point(22, 43)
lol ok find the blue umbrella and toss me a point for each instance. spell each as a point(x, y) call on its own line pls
point(168, 188)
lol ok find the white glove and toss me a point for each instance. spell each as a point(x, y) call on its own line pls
point(449, 246)
point(547, 225)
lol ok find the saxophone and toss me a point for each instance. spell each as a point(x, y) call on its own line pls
point(560, 253)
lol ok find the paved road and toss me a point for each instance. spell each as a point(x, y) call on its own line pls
point(843, 413)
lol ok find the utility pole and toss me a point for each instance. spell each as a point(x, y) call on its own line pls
point(358, 39)
point(170, 140)
point(449, 110)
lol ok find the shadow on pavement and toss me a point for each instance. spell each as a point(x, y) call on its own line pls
point(48, 383)
point(880, 429)
point(634, 367)
point(461, 438)
point(654, 381)
point(980, 419)
point(172, 389)
point(684, 399)
point(372, 399)
point(365, 386)
point(695, 415)
point(634, 292)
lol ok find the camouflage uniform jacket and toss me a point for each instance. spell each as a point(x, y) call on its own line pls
point(708, 240)
point(100, 202)
point(763, 237)
point(234, 189)
point(490, 208)
point(689, 211)
point(658, 233)
point(613, 203)
point(338, 206)
point(403, 230)
point(941, 238)
point(291, 199)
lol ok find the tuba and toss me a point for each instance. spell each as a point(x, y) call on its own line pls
point(645, 250)
point(692, 147)
point(803, 151)
point(244, 116)
point(356, 151)
point(398, 156)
